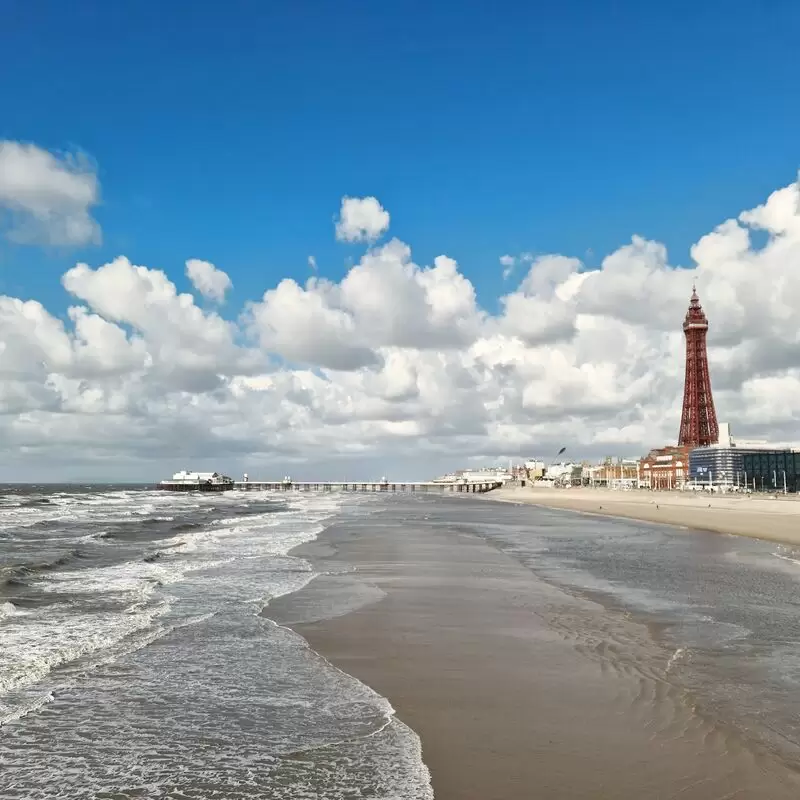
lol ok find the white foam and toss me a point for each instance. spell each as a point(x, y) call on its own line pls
point(33, 647)
point(26, 707)
point(57, 635)
point(790, 558)
point(355, 744)
point(675, 657)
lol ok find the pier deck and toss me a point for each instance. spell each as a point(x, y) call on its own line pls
point(377, 486)
point(334, 486)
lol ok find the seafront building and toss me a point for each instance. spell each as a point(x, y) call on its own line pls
point(747, 465)
point(535, 469)
point(707, 456)
point(728, 465)
point(665, 468)
point(771, 470)
point(619, 473)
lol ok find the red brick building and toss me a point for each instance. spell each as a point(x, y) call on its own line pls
point(665, 468)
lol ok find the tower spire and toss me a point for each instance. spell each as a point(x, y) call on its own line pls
point(698, 419)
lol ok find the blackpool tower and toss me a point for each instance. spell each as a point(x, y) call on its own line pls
point(698, 419)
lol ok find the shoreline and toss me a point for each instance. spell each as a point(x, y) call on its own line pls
point(768, 519)
point(479, 657)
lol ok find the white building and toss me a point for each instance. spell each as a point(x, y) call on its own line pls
point(484, 475)
point(564, 474)
point(534, 464)
point(489, 474)
point(185, 476)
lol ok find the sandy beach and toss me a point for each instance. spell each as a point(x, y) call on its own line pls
point(772, 517)
point(516, 689)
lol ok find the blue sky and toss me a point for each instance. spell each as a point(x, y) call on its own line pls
point(229, 132)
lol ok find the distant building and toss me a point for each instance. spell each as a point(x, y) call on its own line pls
point(665, 468)
point(200, 477)
point(771, 470)
point(484, 474)
point(201, 481)
point(565, 474)
point(620, 473)
point(478, 475)
point(745, 464)
point(534, 469)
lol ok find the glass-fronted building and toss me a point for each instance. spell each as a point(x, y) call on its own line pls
point(715, 465)
point(771, 470)
point(757, 469)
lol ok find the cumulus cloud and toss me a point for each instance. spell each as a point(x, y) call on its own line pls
point(207, 279)
point(397, 364)
point(307, 326)
point(361, 219)
point(385, 301)
point(186, 347)
point(47, 198)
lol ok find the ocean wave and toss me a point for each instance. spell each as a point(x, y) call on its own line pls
point(157, 520)
point(84, 616)
point(220, 666)
point(34, 647)
point(7, 609)
point(186, 526)
point(19, 574)
point(22, 709)
point(33, 502)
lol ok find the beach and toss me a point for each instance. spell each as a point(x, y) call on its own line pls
point(516, 687)
point(401, 647)
point(772, 517)
point(134, 661)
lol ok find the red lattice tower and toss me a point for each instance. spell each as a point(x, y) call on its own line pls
point(699, 420)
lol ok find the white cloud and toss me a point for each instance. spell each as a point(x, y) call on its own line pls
point(304, 325)
point(361, 219)
point(312, 263)
point(207, 279)
point(47, 198)
point(186, 347)
point(397, 364)
point(384, 301)
point(507, 262)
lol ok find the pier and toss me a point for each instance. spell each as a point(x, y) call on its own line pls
point(375, 486)
point(390, 487)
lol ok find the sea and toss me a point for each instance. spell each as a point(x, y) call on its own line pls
point(704, 626)
point(138, 659)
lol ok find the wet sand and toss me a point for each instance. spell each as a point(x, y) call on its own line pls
point(775, 518)
point(483, 661)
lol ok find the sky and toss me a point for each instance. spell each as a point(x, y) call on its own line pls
point(343, 240)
